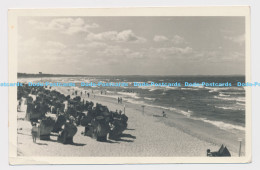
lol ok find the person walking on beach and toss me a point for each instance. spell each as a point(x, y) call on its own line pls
point(88, 95)
point(34, 132)
point(163, 113)
point(118, 100)
point(81, 93)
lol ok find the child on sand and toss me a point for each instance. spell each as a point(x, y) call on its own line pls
point(34, 132)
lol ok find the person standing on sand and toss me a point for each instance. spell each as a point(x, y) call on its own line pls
point(118, 100)
point(34, 132)
point(88, 95)
point(19, 105)
point(163, 113)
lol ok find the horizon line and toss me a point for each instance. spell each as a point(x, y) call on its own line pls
point(59, 74)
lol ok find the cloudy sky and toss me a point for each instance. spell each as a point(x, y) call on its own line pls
point(132, 45)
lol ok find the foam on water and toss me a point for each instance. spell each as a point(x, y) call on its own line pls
point(133, 95)
point(217, 89)
point(223, 95)
point(192, 89)
point(239, 99)
point(151, 99)
point(221, 106)
point(229, 108)
point(221, 125)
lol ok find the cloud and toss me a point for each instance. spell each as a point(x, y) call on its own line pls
point(218, 56)
point(120, 53)
point(35, 50)
point(160, 38)
point(92, 45)
point(176, 39)
point(240, 39)
point(174, 50)
point(169, 53)
point(123, 36)
point(54, 44)
point(64, 25)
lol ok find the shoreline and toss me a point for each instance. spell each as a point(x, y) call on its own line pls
point(195, 127)
point(147, 135)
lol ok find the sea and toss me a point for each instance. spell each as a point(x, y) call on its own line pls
point(222, 106)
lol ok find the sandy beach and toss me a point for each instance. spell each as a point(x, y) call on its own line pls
point(148, 134)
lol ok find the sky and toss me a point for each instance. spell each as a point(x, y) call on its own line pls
point(132, 45)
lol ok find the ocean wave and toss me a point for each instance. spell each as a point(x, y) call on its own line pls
point(217, 89)
point(192, 89)
point(150, 88)
point(240, 103)
point(188, 114)
point(148, 98)
point(234, 93)
point(221, 94)
point(185, 113)
point(132, 95)
point(238, 99)
point(135, 101)
point(222, 125)
point(153, 88)
point(229, 108)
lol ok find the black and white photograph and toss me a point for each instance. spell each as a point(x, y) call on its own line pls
point(121, 85)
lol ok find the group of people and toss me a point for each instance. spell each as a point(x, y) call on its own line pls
point(103, 92)
point(87, 93)
point(66, 107)
point(119, 100)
